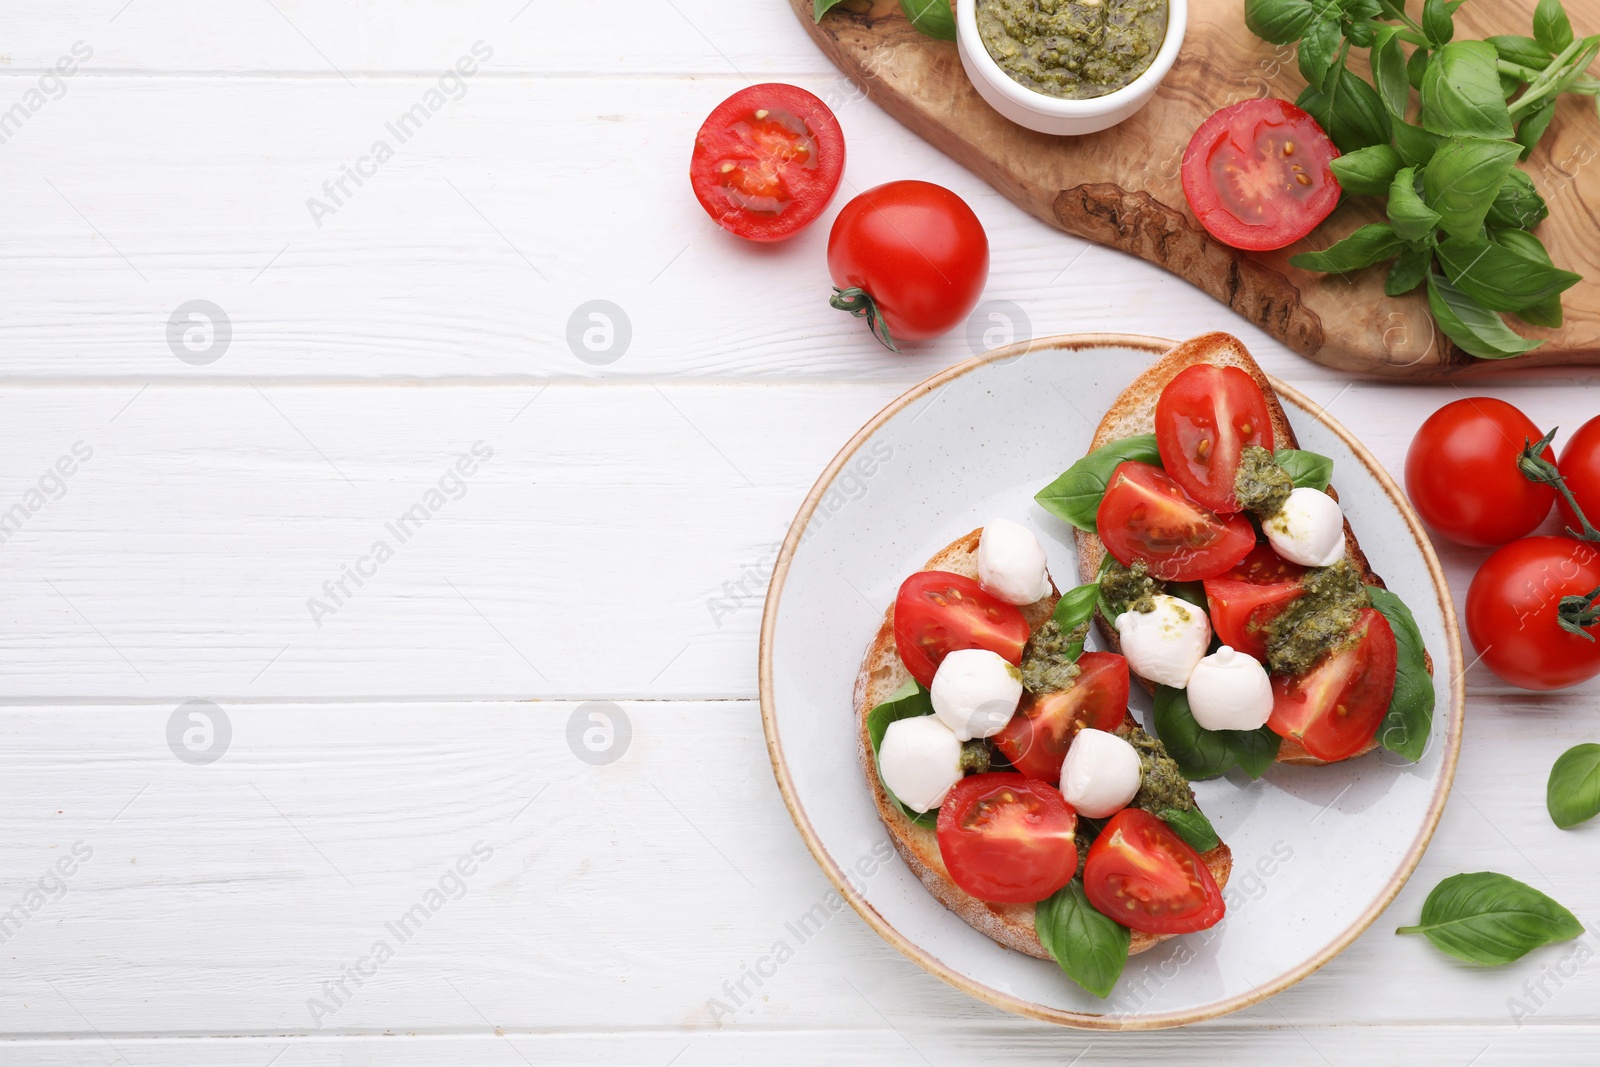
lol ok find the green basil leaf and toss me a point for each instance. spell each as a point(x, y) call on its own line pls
point(822, 7)
point(1075, 496)
point(1193, 827)
point(1309, 470)
point(1531, 129)
point(1409, 270)
point(1551, 27)
point(932, 18)
point(1362, 9)
point(1462, 180)
point(1348, 110)
point(1573, 795)
point(1417, 66)
point(907, 702)
point(1192, 592)
point(1372, 243)
point(1517, 203)
point(1491, 919)
point(1368, 171)
point(1090, 947)
point(1358, 32)
point(1388, 61)
point(1547, 312)
point(1202, 753)
point(1075, 608)
point(1279, 21)
point(1409, 723)
point(1412, 219)
point(1415, 144)
point(1475, 328)
point(1461, 94)
point(1437, 25)
point(1523, 51)
point(1318, 49)
point(1500, 278)
point(1254, 750)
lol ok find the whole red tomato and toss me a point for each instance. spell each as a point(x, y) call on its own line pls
point(1462, 474)
point(909, 256)
point(1515, 609)
point(1580, 469)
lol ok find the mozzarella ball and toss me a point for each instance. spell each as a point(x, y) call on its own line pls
point(1230, 691)
point(1011, 563)
point(975, 692)
point(1164, 645)
point(1308, 529)
point(919, 760)
point(1101, 773)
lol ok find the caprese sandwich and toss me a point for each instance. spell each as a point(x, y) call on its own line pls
point(1011, 777)
point(1229, 578)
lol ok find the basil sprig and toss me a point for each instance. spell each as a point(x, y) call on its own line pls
point(1483, 104)
point(907, 702)
point(1202, 753)
point(1193, 827)
point(1409, 722)
point(1075, 496)
point(1573, 794)
point(1090, 947)
point(1491, 919)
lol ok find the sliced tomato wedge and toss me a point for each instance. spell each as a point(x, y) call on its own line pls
point(938, 612)
point(1038, 735)
point(1146, 515)
point(1008, 838)
point(767, 161)
point(1240, 611)
point(1336, 707)
point(1263, 566)
point(1205, 418)
point(1143, 875)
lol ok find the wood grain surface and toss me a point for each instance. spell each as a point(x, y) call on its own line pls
point(1121, 187)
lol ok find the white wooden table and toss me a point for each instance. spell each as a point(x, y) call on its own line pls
point(377, 717)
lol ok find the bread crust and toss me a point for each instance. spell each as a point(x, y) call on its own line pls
point(880, 675)
point(1134, 413)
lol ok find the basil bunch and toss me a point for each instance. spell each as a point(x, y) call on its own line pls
point(1455, 196)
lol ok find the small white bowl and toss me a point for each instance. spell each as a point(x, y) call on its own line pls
point(1052, 114)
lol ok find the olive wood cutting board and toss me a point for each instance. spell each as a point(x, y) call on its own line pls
point(1121, 187)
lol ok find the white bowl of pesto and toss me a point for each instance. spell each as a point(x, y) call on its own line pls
point(1068, 66)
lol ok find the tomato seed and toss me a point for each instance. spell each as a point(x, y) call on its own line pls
point(1302, 179)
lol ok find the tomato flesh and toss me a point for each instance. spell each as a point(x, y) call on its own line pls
point(1007, 838)
point(1205, 418)
point(1240, 611)
point(767, 161)
point(937, 612)
point(1336, 707)
point(1256, 174)
point(1462, 474)
point(1142, 874)
point(1513, 610)
point(1146, 515)
point(1038, 735)
point(1263, 566)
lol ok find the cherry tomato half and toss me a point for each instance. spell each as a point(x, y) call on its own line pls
point(916, 251)
point(1256, 174)
point(1462, 474)
point(767, 161)
point(1143, 875)
point(1205, 418)
point(1008, 838)
point(1263, 566)
point(1037, 737)
point(1580, 469)
point(1240, 611)
point(937, 612)
point(1145, 515)
point(1514, 611)
point(1336, 707)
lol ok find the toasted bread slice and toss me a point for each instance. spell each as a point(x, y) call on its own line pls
point(1135, 412)
point(881, 674)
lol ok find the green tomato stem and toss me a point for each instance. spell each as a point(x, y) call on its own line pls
point(1541, 471)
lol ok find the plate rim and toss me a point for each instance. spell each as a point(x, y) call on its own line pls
point(1157, 346)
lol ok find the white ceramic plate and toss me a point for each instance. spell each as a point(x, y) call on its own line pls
point(975, 442)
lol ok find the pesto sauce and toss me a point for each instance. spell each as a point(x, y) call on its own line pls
point(1318, 621)
point(1261, 485)
point(1127, 588)
point(1045, 666)
point(1073, 50)
point(1163, 786)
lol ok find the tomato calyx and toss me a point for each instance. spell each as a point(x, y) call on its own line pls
point(1540, 471)
point(859, 303)
point(1578, 612)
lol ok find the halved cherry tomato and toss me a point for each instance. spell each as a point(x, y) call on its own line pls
point(1256, 174)
point(1036, 738)
point(1240, 611)
point(1205, 418)
point(1263, 566)
point(1143, 875)
point(1145, 515)
point(1336, 707)
point(767, 161)
point(1007, 838)
point(937, 613)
